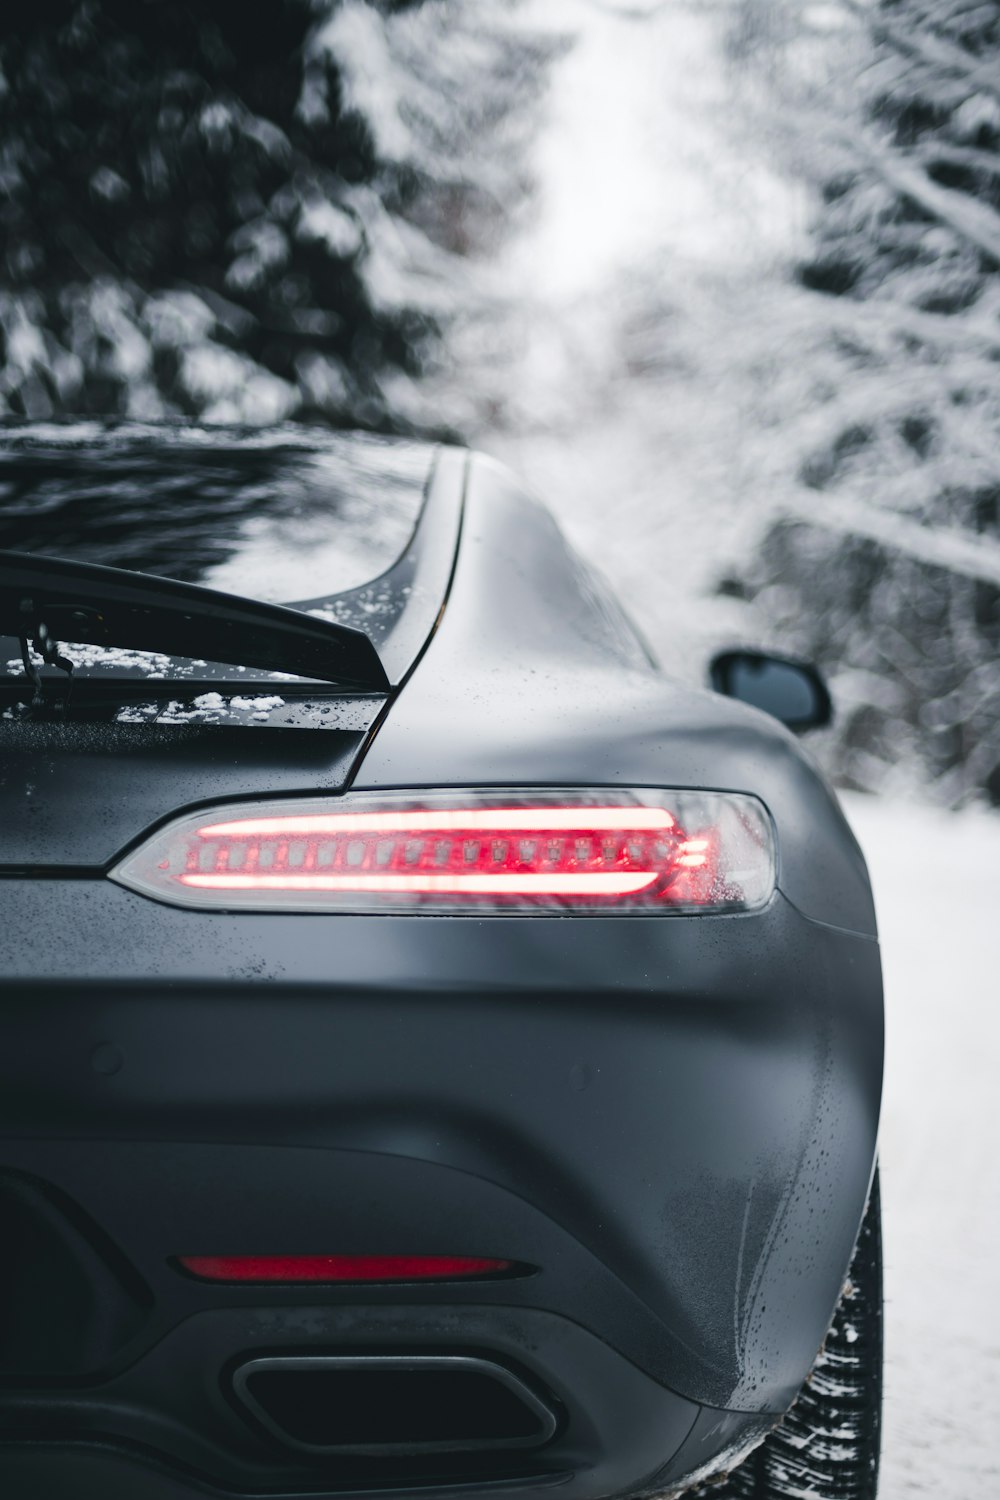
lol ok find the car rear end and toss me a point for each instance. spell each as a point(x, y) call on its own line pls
point(528, 1153)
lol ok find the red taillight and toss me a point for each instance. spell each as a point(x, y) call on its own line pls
point(579, 851)
point(341, 1268)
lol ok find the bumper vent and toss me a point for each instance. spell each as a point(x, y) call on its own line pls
point(68, 1298)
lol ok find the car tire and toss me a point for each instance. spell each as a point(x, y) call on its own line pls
point(827, 1446)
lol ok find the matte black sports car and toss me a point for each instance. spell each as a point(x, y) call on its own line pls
point(440, 1053)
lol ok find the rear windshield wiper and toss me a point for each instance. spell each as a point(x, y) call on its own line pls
point(48, 600)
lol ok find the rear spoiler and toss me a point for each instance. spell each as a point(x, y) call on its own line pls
point(51, 599)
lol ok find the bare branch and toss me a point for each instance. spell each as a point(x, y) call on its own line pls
point(972, 220)
point(958, 156)
point(957, 551)
point(944, 330)
point(929, 48)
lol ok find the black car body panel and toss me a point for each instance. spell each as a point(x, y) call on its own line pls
point(668, 1124)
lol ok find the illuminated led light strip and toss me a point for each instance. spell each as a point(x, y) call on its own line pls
point(693, 854)
point(471, 820)
point(494, 885)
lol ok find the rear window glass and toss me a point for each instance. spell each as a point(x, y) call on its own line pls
point(282, 516)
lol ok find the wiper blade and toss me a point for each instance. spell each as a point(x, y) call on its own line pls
point(57, 599)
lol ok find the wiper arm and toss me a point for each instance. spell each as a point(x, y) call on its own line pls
point(55, 599)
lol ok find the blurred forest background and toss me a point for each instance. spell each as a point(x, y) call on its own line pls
point(299, 210)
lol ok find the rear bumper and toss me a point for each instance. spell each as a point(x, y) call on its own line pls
point(674, 1121)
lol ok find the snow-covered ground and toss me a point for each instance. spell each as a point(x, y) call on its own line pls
point(937, 883)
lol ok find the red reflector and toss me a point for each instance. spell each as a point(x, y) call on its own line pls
point(340, 1267)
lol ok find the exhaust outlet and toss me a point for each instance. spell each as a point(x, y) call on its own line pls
point(393, 1404)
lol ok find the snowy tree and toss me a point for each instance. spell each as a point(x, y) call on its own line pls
point(244, 213)
point(886, 563)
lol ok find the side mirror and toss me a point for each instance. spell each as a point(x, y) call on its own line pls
point(792, 691)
